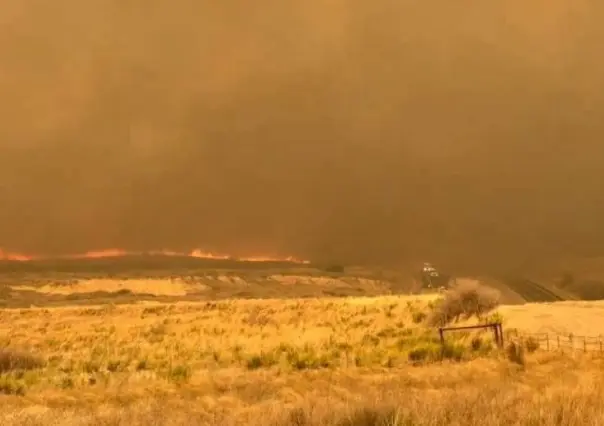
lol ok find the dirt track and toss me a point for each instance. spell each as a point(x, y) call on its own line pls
point(519, 290)
point(532, 291)
point(523, 290)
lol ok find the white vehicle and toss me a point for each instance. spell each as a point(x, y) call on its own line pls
point(431, 278)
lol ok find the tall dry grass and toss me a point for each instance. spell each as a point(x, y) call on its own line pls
point(357, 362)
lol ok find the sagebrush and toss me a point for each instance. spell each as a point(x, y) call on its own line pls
point(466, 299)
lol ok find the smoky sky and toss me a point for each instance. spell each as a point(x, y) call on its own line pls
point(333, 130)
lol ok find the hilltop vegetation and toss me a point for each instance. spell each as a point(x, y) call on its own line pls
point(167, 279)
point(22, 282)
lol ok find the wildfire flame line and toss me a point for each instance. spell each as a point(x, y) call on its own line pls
point(100, 254)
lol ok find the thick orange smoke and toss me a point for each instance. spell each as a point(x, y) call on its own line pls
point(343, 131)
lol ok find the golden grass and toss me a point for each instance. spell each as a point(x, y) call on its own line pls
point(179, 286)
point(157, 287)
point(577, 317)
point(301, 362)
point(330, 282)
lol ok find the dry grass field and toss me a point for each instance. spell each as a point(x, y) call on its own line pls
point(356, 361)
point(88, 283)
point(275, 347)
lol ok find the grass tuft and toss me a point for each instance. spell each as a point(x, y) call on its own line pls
point(11, 360)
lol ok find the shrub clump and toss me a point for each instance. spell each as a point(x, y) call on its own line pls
point(467, 299)
point(515, 353)
point(11, 386)
point(11, 360)
point(477, 343)
point(431, 352)
point(179, 373)
point(418, 317)
point(424, 353)
point(531, 344)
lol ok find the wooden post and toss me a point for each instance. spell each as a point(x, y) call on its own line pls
point(600, 341)
point(547, 340)
point(495, 334)
point(441, 334)
point(496, 327)
point(570, 341)
point(584, 344)
point(558, 338)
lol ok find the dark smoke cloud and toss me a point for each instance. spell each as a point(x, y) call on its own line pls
point(360, 131)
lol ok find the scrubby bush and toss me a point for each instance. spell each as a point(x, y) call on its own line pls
point(476, 343)
point(180, 373)
point(16, 360)
point(495, 317)
point(418, 316)
point(11, 386)
point(531, 344)
point(453, 351)
point(263, 359)
point(424, 352)
point(467, 299)
point(515, 353)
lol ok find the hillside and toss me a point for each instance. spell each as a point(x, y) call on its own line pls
point(583, 277)
point(171, 278)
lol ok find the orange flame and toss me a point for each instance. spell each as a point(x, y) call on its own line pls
point(14, 256)
point(100, 254)
point(206, 255)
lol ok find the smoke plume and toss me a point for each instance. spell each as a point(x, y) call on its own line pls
point(355, 131)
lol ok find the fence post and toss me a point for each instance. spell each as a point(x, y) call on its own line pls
point(547, 340)
point(600, 341)
point(498, 334)
point(495, 333)
point(558, 338)
point(441, 333)
point(570, 341)
point(585, 344)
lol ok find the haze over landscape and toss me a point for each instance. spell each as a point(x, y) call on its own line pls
point(308, 213)
point(468, 132)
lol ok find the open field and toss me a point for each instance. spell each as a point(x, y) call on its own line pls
point(272, 346)
point(306, 361)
